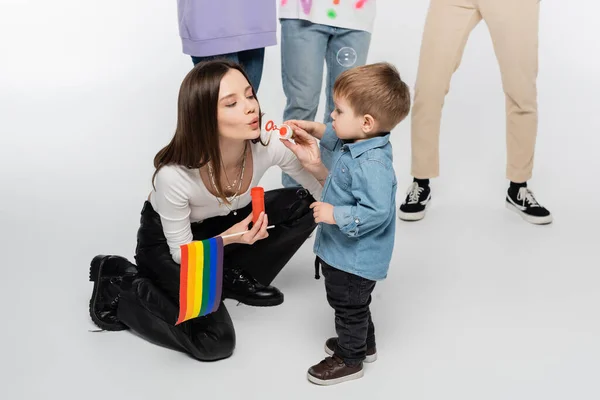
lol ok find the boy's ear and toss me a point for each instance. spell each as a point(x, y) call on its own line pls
point(368, 124)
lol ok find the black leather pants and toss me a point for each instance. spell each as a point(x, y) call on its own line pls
point(150, 305)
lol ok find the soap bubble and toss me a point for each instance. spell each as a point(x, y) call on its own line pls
point(346, 57)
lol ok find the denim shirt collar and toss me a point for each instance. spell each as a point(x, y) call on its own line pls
point(356, 149)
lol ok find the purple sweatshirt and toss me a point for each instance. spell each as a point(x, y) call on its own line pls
point(216, 27)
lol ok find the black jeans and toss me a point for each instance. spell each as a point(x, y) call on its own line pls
point(350, 296)
point(150, 305)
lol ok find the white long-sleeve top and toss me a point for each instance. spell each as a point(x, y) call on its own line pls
point(180, 196)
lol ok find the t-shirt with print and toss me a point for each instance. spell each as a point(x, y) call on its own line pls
point(348, 14)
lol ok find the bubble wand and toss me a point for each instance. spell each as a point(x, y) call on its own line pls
point(241, 233)
point(258, 206)
point(285, 131)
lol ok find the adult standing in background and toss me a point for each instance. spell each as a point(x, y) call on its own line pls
point(238, 30)
point(314, 33)
point(513, 26)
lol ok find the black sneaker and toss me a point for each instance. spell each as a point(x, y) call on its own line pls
point(416, 202)
point(524, 203)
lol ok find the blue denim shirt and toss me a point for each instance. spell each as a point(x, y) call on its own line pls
point(362, 188)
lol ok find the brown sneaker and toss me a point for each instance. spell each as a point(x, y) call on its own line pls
point(333, 370)
point(331, 343)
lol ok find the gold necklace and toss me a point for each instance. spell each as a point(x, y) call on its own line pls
point(235, 195)
point(232, 185)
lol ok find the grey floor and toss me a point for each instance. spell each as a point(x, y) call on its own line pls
point(478, 305)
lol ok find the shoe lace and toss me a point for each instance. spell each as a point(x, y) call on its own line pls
point(414, 192)
point(239, 275)
point(527, 195)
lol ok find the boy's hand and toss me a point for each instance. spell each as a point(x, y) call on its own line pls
point(323, 212)
point(315, 129)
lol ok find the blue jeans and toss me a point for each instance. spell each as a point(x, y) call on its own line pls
point(250, 60)
point(305, 47)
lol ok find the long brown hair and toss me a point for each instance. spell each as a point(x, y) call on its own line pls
point(196, 139)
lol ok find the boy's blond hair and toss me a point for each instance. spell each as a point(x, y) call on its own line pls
point(375, 89)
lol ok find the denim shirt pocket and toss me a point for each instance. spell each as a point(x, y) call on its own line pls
point(341, 176)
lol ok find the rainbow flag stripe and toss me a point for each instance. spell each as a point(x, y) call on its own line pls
point(201, 278)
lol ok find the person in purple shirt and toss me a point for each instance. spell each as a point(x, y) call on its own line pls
point(238, 30)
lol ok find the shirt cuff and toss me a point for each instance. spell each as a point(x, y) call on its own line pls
point(347, 222)
point(329, 139)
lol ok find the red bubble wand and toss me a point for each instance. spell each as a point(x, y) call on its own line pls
point(284, 131)
point(258, 205)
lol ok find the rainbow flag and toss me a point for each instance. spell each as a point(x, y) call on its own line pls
point(201, 278)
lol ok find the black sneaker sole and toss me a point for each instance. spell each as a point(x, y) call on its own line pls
point(530, 218)
point(95, 273)
point(254, 302)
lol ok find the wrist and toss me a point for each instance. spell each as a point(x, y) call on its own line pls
point(227, 240)
point(319, 171)
point(313, 166)
point(319, 130)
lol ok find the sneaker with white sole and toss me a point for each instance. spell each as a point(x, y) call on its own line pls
point(416, 202)
point(333, 370)
point(524, 203)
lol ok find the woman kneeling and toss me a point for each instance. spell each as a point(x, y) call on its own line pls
point(202, 186)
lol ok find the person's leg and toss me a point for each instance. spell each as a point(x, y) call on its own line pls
point(149, 306)
point(350, 296)
point(151, 314)
point(447, 29)
point(252, 61)
point(303, 47)
point(371, 354)
point(371, 342)
point(356, 44)
point(513, 26)
point(229, 56)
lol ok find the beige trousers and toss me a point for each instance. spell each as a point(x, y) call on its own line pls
point(513, 25)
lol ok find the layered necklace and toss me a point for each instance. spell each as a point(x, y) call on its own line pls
point(235, 196)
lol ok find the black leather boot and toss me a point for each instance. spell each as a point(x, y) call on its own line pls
point(109, 274)
point(241, 286)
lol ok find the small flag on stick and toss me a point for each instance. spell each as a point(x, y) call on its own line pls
point(201, 278)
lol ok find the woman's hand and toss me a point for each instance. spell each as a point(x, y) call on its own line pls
point(258, 231)
point(306, 148)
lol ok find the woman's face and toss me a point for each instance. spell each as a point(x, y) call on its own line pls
point(237, 110)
